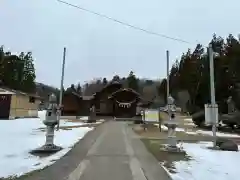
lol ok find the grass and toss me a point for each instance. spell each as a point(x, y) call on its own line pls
point(153, 132)
point(165, 158)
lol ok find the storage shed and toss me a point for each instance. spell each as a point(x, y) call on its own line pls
point(17, 104)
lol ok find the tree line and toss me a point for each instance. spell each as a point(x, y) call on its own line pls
point(146, 87)
point(191, 73)
point(17, 71)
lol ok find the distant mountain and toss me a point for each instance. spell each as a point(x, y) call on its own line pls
point(44, 90)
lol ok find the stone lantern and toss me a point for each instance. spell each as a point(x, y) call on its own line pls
point(171, 124)
point(50, 121)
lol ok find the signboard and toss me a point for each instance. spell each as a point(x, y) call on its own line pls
point(211, 114)
point(151, 116)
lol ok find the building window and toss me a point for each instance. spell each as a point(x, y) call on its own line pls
point(31, 99)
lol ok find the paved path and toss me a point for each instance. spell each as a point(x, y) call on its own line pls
point(111, 152)
point(118, 154)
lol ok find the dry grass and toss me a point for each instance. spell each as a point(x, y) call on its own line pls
point(153, 132)
point(166, 159)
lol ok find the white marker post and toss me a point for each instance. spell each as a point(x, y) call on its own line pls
point(61, 87)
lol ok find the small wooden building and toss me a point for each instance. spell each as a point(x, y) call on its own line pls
point(17, 104)
point(75, 104)
point(112, 100)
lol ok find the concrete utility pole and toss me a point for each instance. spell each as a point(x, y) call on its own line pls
point(212, 93)
point(167, 73)
point(171, 123)
point(61, 86)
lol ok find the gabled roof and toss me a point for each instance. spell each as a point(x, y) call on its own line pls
point(72, 93)
point(109, 84)
point(124, 89)
point(78, 95)
point(5, 90)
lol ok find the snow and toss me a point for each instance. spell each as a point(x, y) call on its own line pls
point(202, 132)
point(189, 124)
point(20, 136)
point(84, 118)
point(188, 120)
point(164, 128)
point(205, 163)
point(219, 134)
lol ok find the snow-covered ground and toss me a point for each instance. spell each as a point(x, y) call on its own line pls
point(207, 164)
point(209, 133)
point(204, 163)
point(188, 130)
point(188, 121)
point(19, 136)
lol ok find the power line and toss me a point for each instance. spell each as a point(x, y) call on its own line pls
point(123, 23)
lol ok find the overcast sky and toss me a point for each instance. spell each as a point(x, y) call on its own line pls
point(97, 47)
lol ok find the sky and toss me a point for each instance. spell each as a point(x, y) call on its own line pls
point(97, 47)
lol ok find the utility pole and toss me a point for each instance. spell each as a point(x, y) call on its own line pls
point(167, 53)
point(212, 93)
point(61, 86)
point(171, 123)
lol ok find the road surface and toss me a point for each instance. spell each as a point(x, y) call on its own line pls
point(111, 152)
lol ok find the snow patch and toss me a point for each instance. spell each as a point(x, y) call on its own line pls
point(164, 128)
point(189, 124)
point(219, 134)
point(188, 120)
point(84, 118)
point(205, 163)
point(19, 136)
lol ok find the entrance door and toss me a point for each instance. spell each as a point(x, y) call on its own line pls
point(5, 101)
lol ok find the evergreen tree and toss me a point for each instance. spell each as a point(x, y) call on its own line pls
point(132, 81)
point(162, 90)
point(28, 80)
point(104, 81)
point(79, 89)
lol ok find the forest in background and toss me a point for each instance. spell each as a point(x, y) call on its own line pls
point(191, 73)
point(17, 71)
point(146, 87)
